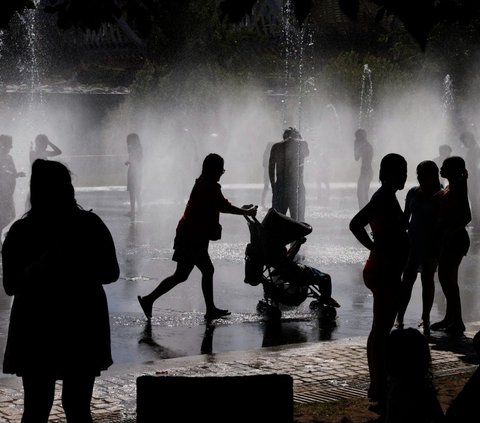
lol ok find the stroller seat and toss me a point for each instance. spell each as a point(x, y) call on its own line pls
point(270, 263)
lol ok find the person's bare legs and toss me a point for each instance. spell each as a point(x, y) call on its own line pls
point(408, 280)
point(182, 272)
point(448, 278)
point(428, 294)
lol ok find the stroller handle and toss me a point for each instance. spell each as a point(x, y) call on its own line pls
point(251, 219)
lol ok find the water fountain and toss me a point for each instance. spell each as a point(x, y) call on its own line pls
point(365, 114)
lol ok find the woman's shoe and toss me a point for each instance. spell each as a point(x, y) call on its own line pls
point(216, 313)
point(441, 325)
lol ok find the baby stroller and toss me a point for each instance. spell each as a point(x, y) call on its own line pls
point(285, 281)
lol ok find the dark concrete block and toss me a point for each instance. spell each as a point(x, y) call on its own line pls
point(215, 399)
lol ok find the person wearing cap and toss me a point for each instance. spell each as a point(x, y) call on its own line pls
point(285, 170)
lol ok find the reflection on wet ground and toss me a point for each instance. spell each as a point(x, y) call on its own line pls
point(178, 328)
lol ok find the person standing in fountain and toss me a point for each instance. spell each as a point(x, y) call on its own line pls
point(285, 170)
point(41, 149)
point(452, 239)
point(363, 151)
point(134, 173)
point(198, 226)
point(8, 182)
point(472, 159)
point(266, 178)
point(420, 214)
point(56, 259)
point(383, 270)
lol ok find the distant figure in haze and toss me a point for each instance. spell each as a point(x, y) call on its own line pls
point(465, 406)
point(198, 226)
point(285, 170)
point(56, 259)
point(266, 178)
point(444, 151)
point(420, 214)
point(452, 240)
point(363, 151)
point(8, 182)
point(411, 396)
point(134, 174)
point(472, 159)
point(41, 149)
point(383, 270)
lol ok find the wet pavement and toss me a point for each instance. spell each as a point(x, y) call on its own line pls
point(320, 356)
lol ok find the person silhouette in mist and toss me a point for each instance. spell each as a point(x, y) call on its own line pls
point(56, 259)
point(383, 270)
point(41, 149)
point(197, 227)
point(472, 160)
point(452, 240)
point(134, 173)
point(266, 178)
point(285, 170)
point(8, 182)
point(363, 151)
point(411, 394)
point(420, 214)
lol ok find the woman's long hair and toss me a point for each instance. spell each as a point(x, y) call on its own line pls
point(51, 189)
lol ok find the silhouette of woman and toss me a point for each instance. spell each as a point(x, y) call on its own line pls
point(452, 240)
point(420, 213)
point(363, 151)
point(198, 225)
point(55, 260)
point(383, 269)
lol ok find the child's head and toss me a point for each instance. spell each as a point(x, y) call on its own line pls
point(408, 354)
point(427, 174)
point(360, 134)
point(291, 134)
point(41, 142)
point(445, 150)
point(5, 143)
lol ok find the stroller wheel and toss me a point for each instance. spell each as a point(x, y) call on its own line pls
point(327, 312)
point(267, 310)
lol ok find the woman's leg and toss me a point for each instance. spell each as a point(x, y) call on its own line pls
point(408, 280)
point(428, 292)
point(448, 277)
point(385, 293)
point(182, 272)
point(39, 393)
point(205, 266)
point(76, 398)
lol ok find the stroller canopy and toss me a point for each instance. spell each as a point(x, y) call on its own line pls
point(284, 229)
